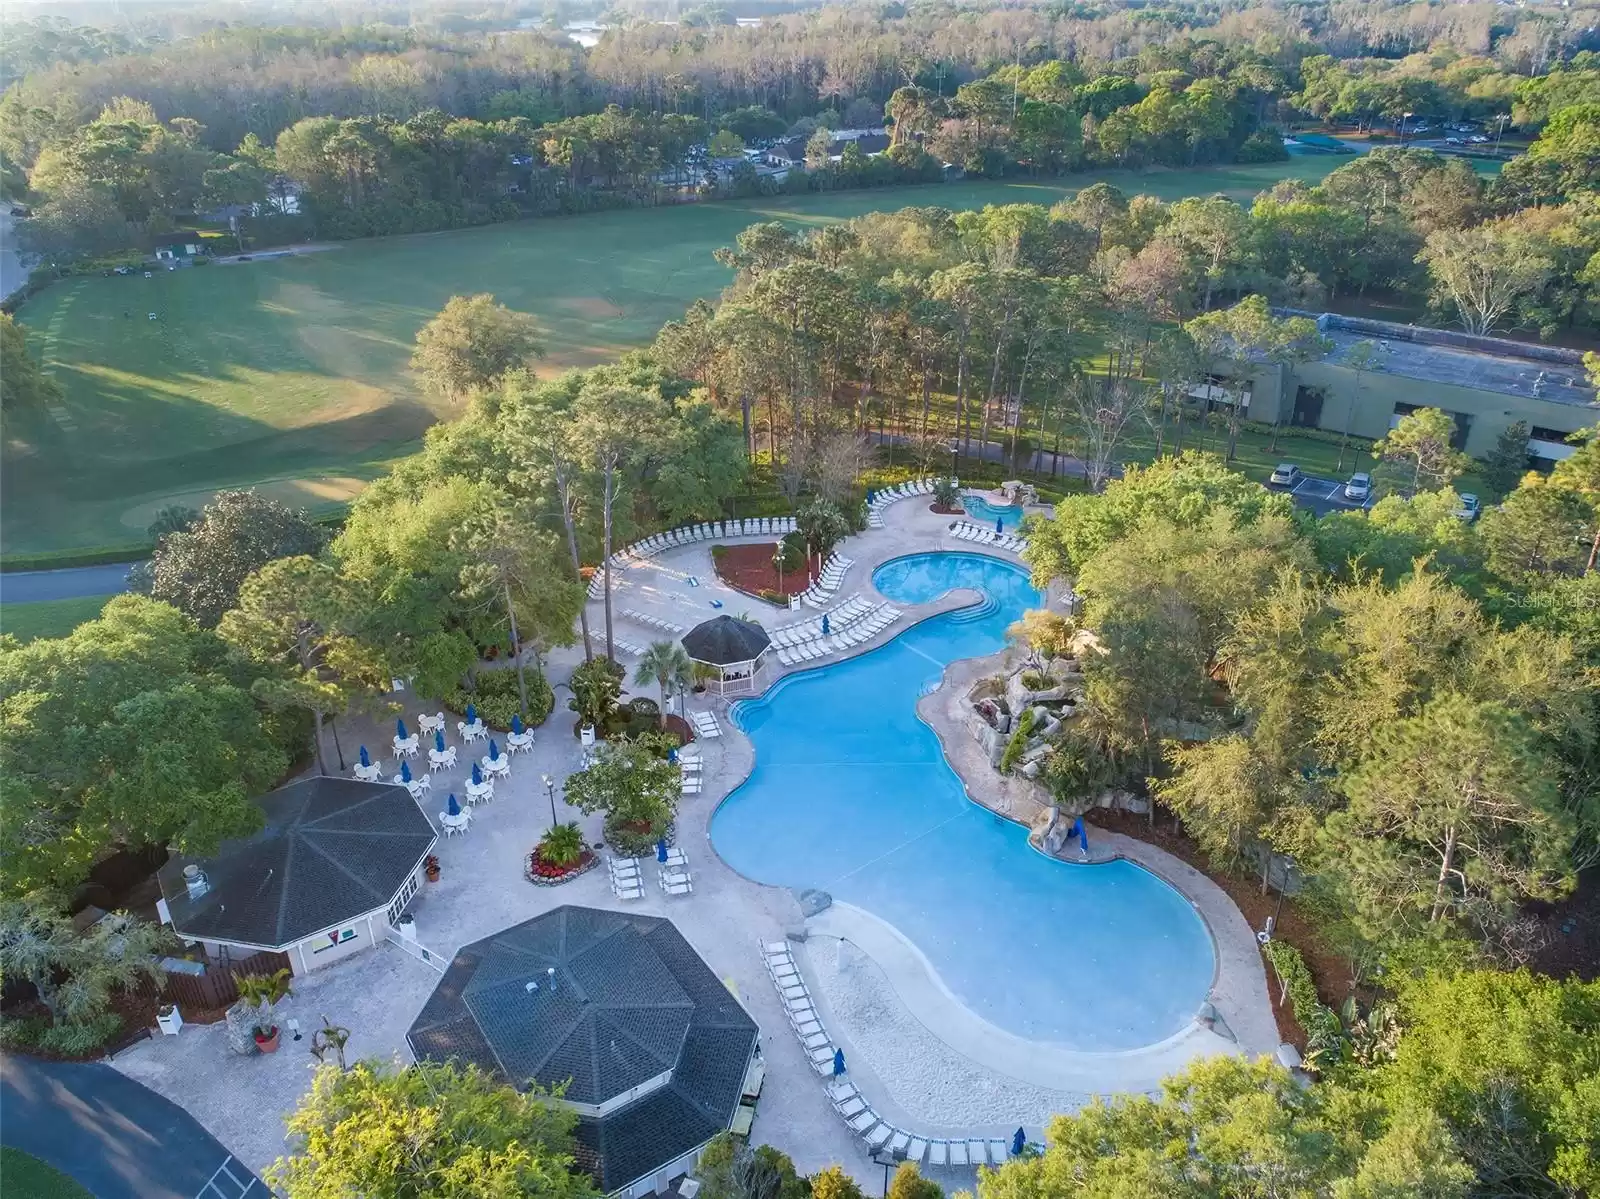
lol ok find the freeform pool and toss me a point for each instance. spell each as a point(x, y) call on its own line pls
point(851, 794)
point(981, 511)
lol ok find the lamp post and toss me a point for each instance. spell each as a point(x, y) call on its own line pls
point(1499, 128)
point(1403, 119)
point(550, 790)
point(333, 725)
point(885, 1159)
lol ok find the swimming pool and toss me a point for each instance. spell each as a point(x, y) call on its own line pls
point(851, 794)
point(981, 511)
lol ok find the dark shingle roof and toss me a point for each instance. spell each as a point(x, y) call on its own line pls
point(724, 640)
point(331, 849)
point(632, 1001)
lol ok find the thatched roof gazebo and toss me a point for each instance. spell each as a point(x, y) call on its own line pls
point(733, 647)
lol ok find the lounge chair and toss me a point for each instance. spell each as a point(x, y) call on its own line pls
point(899, 1144)
point(958, 1153)
point(863, 1121)
point(998, 1151)
point(978, 1152)
point(878, 1137)
point(938, 1153)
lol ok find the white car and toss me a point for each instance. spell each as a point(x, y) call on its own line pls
point(1285, 474)
point(1469, 508)
point(1359, 487)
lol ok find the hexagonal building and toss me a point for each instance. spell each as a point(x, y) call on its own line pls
point(651, 1045)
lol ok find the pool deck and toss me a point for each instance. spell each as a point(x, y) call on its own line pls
point(916, 1054)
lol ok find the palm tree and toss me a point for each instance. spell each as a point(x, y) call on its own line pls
point(667, 664)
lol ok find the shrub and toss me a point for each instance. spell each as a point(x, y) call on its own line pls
point(718, 553)
point(596, 685)
point(1034, 681)
point(1324, 1030)
point(775, 597)
point(80, 1040)
point(561, 845)
point(22, 1033)
point(496, 698)
point(1018, 742)
point(635, 840)
point(945, 493)
point(792, 552)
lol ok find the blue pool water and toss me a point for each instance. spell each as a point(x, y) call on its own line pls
point(981, 511)
point(851, 794)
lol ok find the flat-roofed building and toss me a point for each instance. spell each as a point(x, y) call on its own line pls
point(1486, 383)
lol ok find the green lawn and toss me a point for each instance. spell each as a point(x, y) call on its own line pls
point(22, 1174)
point(291, 373)
point(49, 618)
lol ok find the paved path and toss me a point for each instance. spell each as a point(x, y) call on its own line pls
point(31, 586)
point(113, 1135)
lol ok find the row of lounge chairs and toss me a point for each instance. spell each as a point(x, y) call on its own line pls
point(820, 593)
point(627, 876)
point(797, 1005)
point(965, 530)
point(876, 1133)
point(705, 724)
point(653, 622)
point(890, 495)
point(858, 630)
point(766, 526)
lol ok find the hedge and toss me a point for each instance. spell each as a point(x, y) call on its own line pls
point(1323, 1028)
point(496, 698)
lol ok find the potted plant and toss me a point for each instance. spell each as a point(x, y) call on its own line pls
point(264, 992)
point(430, 867)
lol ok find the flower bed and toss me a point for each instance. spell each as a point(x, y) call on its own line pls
point(548, 874)
point(748, 568)
point(637, 840)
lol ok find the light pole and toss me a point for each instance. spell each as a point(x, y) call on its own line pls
point(550, 790)
point(333, 726)
point(1499, 128)
point(1403, 119)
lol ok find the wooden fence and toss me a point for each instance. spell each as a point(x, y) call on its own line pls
point(214, 989)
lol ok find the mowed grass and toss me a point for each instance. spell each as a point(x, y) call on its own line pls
point(49, 618)
point(22, 1174)
point(291, 373)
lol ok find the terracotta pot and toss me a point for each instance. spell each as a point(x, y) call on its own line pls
point(267, 1044)
point(433, 874)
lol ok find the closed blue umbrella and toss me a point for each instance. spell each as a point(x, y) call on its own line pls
point(400, 729)
point(672, 755)
point(453, 807)
point(365, 761)
point(494, 750)
point(472, 713)
point(516, 725)
point(661, 850)
point(1019, 1142)
point(438, 740)
point(824, 624)
point(999, 525)
point(405, 771)
point(477, 776)
point(838, 1062)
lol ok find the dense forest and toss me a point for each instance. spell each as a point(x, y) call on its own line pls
point(345, 130)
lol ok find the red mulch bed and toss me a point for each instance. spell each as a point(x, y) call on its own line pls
point(750, 569)
point(554, 873)
point(1331, 970)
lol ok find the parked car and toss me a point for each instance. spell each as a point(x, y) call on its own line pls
point(1469, 508)
point(1452, 141)
point(1286, 474)
point(1477, 139)
point(1358, 487)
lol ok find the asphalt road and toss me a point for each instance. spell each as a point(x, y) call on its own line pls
point(115, 1137)
point(31, 586)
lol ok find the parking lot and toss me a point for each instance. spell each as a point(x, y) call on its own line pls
point(1322, 496)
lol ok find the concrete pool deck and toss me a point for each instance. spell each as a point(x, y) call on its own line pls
point(924, 1064)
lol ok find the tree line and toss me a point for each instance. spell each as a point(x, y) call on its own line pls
point(1099, 317)
point(416, 133)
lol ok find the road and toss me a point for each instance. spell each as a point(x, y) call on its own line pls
point(12, 274)
point(117, 1138)
point(31, 586)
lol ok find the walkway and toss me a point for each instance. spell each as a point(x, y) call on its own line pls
point(116, 1137)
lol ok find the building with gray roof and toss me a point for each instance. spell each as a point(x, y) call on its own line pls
point(1485, 383)
point(334, 865)
point(618, 1008)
